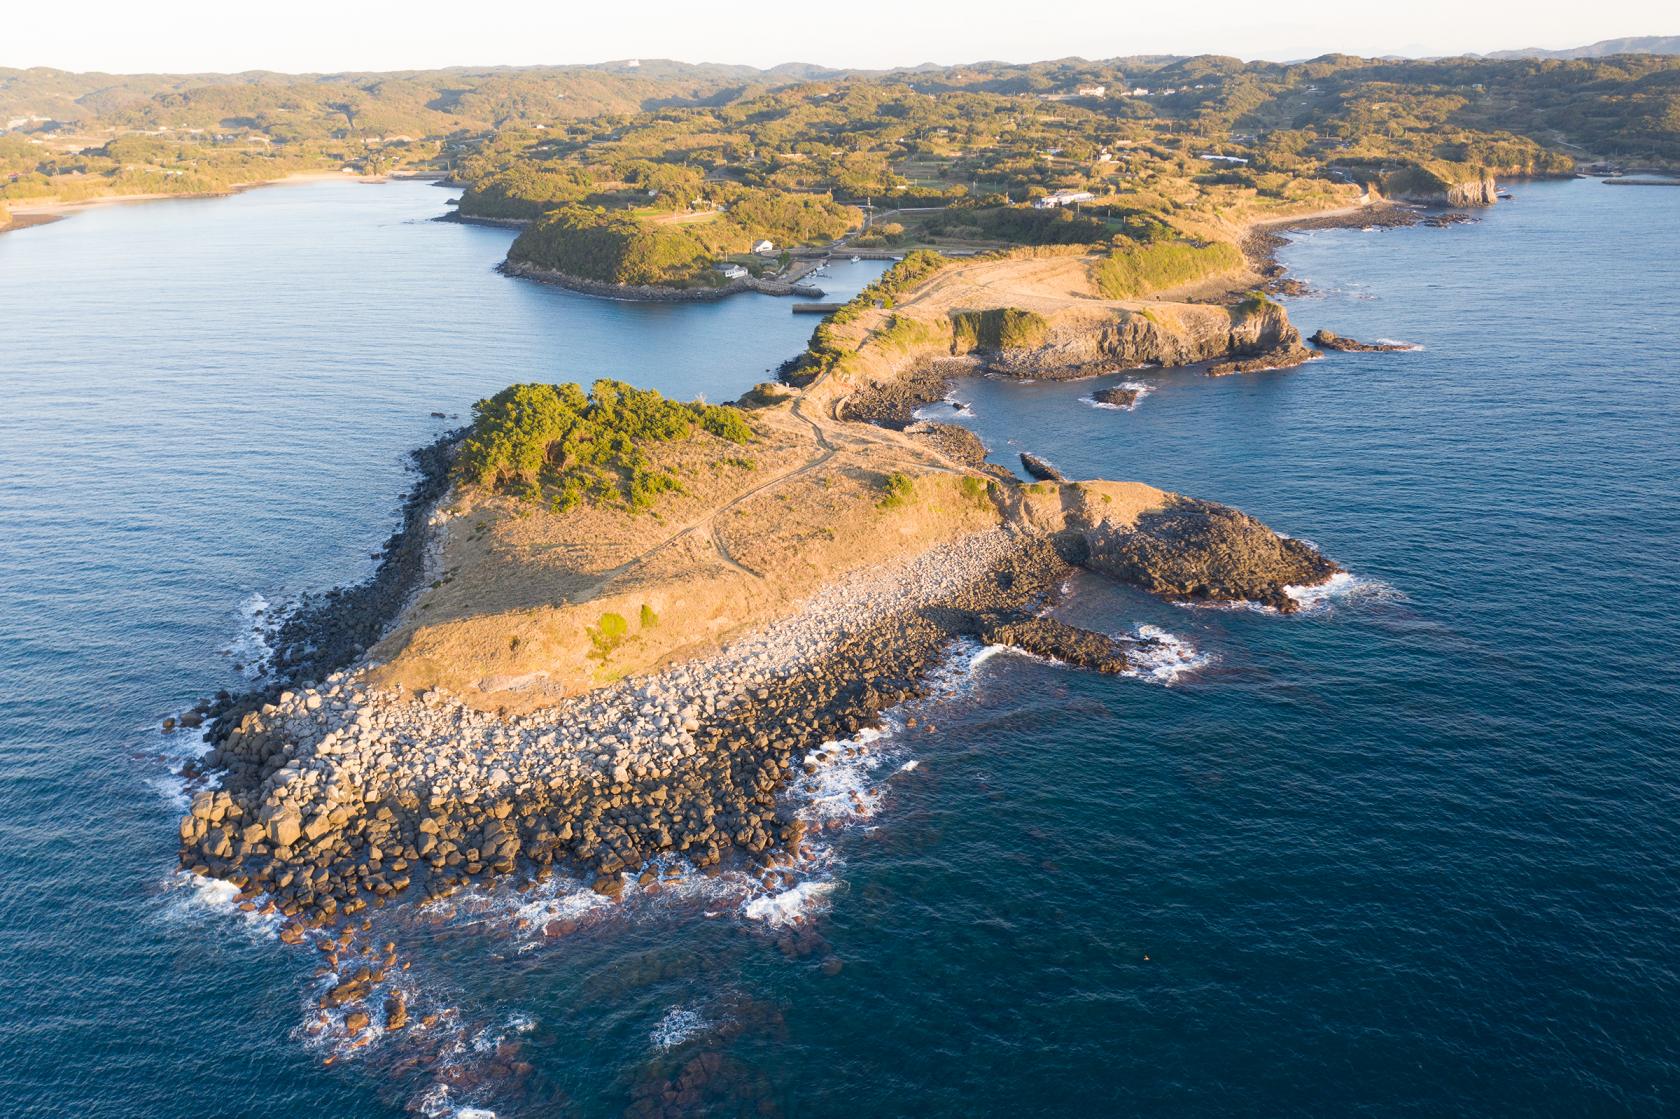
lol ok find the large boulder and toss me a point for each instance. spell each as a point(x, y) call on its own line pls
point(283, 823)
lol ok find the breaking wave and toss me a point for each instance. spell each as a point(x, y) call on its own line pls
point(1162, 657)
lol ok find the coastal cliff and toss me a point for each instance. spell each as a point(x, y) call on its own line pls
point(1442, 184)
point(1037, 318)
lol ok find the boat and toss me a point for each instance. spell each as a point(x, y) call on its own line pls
point(856, 259)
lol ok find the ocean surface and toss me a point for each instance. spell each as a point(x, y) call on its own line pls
point(1412, 852)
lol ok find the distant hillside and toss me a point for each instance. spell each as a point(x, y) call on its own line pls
point(1638, 44)
point(417, 102)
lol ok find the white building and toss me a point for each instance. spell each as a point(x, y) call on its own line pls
point(764, 247)
point(1092, 90)
point(1062, 198)
point(732, 271)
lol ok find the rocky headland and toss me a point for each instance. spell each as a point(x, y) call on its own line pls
point(627, 694)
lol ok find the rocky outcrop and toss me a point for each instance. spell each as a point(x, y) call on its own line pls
point(1198, 551)
point(958, 444)
point(1040, 468)
point(1329, 340)
point(1118, 397)
point(1284, 357)
point(1047, 637)
point(893, 400)
point(1442, 184)
point(1167, 337)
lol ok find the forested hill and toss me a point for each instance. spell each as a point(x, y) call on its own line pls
point(1604, 48)
point(672, 136)
point(415, 102)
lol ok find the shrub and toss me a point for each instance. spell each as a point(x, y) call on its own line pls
point(896, 489)
point(1021, 225)
point(649, 618)
point(610, 248)
point(607, 634)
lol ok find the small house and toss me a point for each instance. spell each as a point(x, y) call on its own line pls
point(763, 247)
point(732, 271)
point(1062, 198)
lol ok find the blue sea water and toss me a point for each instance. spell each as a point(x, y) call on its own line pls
point(1411, 852)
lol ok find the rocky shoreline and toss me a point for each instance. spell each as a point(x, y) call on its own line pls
point(339, 797)
point(656, 293)
point(328, 631)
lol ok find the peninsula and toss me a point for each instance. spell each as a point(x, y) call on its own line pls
point(624, 625)
point(617, 633)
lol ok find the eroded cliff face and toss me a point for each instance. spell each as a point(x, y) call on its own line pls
point(1448, 185)
point(887, 382)
point(1181, 334)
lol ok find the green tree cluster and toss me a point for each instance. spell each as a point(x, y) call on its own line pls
point(562, 446)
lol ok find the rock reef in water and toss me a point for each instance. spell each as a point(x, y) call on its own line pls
point(1329, 340)
point(1119, 397)
point(1197, 551)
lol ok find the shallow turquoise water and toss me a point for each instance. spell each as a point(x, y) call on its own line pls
point(1412, 853)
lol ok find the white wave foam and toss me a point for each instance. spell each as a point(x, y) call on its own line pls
point(841, 788)
point(490, 1038)
point(436, 1103)
point(252, 646)
point(792, 906)
point(193, 898)
point(1344, 586)
point(1164, 657)
point(1405, 347)
point(679, 1024)
point(943, 409)
point(567, 901)
point(909, 766)
point(172, 787)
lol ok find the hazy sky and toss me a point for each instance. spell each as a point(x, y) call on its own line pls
point(311, 35)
